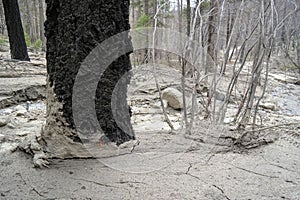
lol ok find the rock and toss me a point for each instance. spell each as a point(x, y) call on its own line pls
point(7, 111)
point(268, 105)
point(158, 104)
point(22, 134)
point(228, 120)
point(173, 97)
point(11, 126)
point(2, 138)
point(4, 121)
point(220, 96)
point(284, 78)
point(20, 110)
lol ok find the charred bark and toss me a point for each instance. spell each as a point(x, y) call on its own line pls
point(73, 29)
point(15, 30)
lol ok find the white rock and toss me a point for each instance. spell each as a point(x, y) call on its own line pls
point(7, 111)
point(22, 134)
point(268, 105)
point(4, 121)
point(2, 138)
point(165, 102)
point(173, 97)
point(228, 120)
point(20, 110)
point(284, 78)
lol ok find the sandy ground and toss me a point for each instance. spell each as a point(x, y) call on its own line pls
point(271, 172)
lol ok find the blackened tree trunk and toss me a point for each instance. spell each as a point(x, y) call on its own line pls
point(15, 30)
point(73, 29)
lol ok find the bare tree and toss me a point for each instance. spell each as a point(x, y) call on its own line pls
point(212, 31)
point(42, 21)
point(2, 20)
point(188, 17)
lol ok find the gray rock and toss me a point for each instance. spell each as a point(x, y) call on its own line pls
point(220, 96)
point(173, 97)
point(4, 121)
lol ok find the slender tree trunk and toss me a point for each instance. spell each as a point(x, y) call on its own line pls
point(212, 24)
point(188, 17)
point(36, 21)
point(69, 41)
point(17, 43)
point(133, 13)
point(28, 25)
point(179, 16)
point(139, 9)
point(2, 20)
point(146, 7)
point(154, 10)
point(298, 53)
point(42, 21)
point(146, 11)
point(179, 11)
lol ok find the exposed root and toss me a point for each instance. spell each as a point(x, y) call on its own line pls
point(31, 145)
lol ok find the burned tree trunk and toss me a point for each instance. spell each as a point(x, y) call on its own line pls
point(73, 29)
point(15, 30)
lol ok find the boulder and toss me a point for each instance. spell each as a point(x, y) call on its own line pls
point(173, 97)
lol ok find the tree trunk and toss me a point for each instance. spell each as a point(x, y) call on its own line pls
point(146, 11)
point(212, 24)
point(2, 20)
point(298, 53)
point(132, 13)
point(29, 28)
point(36, 21)
point(15, 30)
point(154, 10)
point(188, 17)
point(146, 7)
point(42, 20)
point(139, 12)
point(73, 29)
